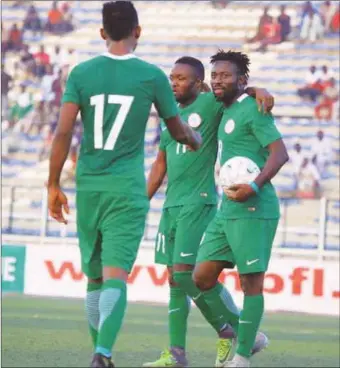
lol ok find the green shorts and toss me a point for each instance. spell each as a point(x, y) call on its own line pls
point(110, 229)
point(246, 243)
point(180, 231)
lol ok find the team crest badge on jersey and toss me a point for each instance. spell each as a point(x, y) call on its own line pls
point(194, 120)
point(229, 126)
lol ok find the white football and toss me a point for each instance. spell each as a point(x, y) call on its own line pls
point(238, 170)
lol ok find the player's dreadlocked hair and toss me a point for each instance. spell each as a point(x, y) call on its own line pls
point(119, 19)
point(238, 58)
point(195, 63)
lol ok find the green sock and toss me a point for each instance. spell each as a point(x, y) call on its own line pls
point(221, 303)
point(92, 309)
point(184, 280)
point(112, 305)
point(250, 320)
point(179, 308)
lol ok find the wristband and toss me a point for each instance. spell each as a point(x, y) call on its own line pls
point(255, 187)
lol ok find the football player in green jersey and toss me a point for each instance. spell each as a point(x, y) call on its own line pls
point(114, 93)
point(189, 207)
point(243, 229)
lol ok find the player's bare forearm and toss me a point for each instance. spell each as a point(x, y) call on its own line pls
point(183, 133)
point(277, 158)
point(157, 174)
point(60, 149)
point(62, 141)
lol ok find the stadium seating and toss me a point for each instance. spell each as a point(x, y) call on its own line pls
point(170, 30)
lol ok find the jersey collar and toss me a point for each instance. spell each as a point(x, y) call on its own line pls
point(119, 57)
point(242, 97)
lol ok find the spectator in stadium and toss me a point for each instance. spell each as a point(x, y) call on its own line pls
point(272, 33)
point(330, 96)
point(57, 89)
point(296, 158)
point(46, 85)
point(312, 28)
point(67, 18)
point(26, 59)
point(39, 69)
point(322, 152)
point(284, 21)
point(263, 21)
point(56, 58)
point(42, 56)
point(32, 21)
point(309, 180)
point(14, 39)
point(306, 8)
point(327, 10)
point(312, 88)
point(6, 83)
point(325, 75)
point(23, 105)
point(39, 119)
point(335, 23)
point(55, 20)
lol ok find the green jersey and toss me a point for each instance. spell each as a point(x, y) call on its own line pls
point(191, 177)
point(115, 94)
point(244, 131)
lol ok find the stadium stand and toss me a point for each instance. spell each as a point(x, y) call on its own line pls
point(170, 30)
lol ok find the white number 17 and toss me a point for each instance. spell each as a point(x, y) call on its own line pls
point(98, 102)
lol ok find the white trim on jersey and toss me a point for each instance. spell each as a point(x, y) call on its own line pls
point(242, 97)
point(119, 57)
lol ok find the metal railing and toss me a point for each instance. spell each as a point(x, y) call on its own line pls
point(25, 219)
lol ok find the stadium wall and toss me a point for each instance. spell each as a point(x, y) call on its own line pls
point(295, 285)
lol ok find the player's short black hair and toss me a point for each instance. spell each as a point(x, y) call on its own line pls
point(195, 63)
point(119, 19)
point(238, 58)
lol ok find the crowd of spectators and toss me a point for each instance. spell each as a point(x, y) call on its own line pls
point(31, 93)
point(310, 167)
point(272, 30)
point(58, 21)
point(321, 88)
point(317, 20)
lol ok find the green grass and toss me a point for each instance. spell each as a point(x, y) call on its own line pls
point(42, 332)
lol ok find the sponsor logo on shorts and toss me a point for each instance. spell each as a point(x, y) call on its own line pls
point(240, 321)
point(204, 195)
point(186, 254)
point(249, 263)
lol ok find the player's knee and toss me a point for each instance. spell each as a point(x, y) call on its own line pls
point(171, 279)
point(202, 280)
point(252, 284)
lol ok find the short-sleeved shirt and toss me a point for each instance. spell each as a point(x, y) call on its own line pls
point(115, 95)
point(246, 132)
point(191, 174)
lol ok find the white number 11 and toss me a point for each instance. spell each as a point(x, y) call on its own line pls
point(98, 102)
